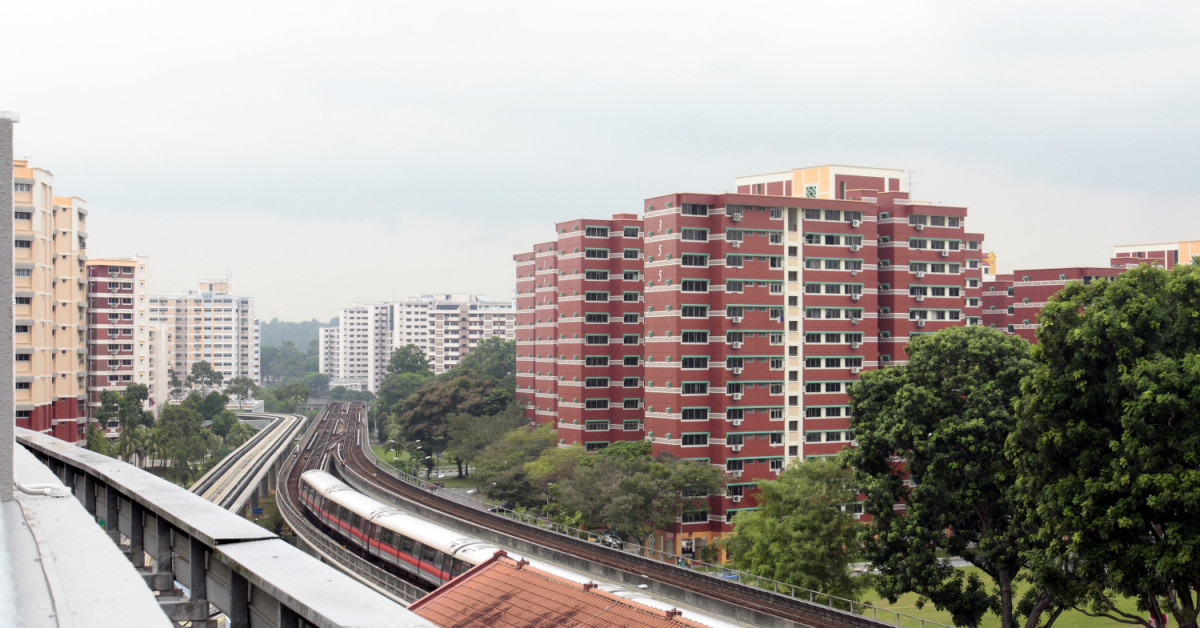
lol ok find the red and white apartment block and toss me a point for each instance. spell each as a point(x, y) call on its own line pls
point(726, 327)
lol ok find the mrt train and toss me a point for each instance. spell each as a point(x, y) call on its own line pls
point(429, 552)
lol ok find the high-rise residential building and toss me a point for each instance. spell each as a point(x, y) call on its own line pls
point(1012, 301)
point(592, 387)
point(355, 354)
point(759, 308)
point(210, 325)
point(1165, 254)
point(50, 245)
point(124, 347)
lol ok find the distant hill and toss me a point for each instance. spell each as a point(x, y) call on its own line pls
point(301, 333)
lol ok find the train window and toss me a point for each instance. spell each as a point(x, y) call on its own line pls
point(429, 555)
point(447, 564)
point(460, 566)
point(406, 545)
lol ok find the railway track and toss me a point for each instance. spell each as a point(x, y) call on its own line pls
point(343, 442)
point(230, 482)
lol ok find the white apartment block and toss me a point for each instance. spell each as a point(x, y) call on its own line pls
point(124, 347)
point(213, 326)
point(355, 354)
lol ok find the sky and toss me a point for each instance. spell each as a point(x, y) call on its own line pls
point(327, 154)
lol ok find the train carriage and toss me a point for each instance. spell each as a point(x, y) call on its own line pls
point(430, 552)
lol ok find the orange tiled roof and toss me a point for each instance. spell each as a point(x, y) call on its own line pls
point(502, 593)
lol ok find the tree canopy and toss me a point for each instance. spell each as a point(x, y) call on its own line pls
point(494, 357)
point(800, 533)
point(203, 375)
point(947, 413)
point(1107, 448)
point(409, 359)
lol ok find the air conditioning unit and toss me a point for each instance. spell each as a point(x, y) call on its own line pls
point(854, 443)
point(856, 370)
point(736, 244)
point(920, 227)
point(854, 321)
point(736, 217)
point(855, 223)
point(945, 253)
point(737, 474)
point(737, 499)
point(885, 358)
point(855, 345)
point(920, 274)
point(854, 247)
point(736, 448)
point(736, 319)
point(856, 296)
point(737, 370)
point(853, 273)
point(737, 422)
point(920, 297)
point(737, 345)
point(920, 322)
point(737, 397)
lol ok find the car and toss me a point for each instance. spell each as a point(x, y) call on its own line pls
point(610, 540)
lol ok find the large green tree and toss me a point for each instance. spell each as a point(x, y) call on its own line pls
point(203, 375)
point(467, 435)
point(240, 388)
point(1107, 449)
point(426, 411)
point(409, 359)
point(800, 533)
point(181, 440)
point(494, 357)
point(947, 414)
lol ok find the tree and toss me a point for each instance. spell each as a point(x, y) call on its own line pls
point(204, 376)
point(213, 404)
point(1108, 444)
point(317, 384)
point(289, 396)
point(468, 435)
point(97, 442)
point(409, 359)
point(175, 383)
point(240, 388)
point(494, 357)
point(238, 434)
point(181, 440)
point(800, 533)
point(425, 412)
point(283, 363)
point(500, 468)
point(223, 422)
point(395, 389)
point(947, 413)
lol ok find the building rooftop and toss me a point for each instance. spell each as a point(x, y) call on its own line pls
point(502, 592)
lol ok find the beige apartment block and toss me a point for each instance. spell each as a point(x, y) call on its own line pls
point(50, 244)
point(124, 347)
point(210, 325)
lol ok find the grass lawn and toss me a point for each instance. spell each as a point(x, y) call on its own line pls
point(907, 604)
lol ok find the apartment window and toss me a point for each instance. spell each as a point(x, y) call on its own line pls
point(596, 232)
point(596, 404)
point(596, 318)
point(776, 238)
point(23, 272)
point(630, 318)
point(734, 261)
point(833, 264)
point(24, 357)
point(693, 209)
point(23, 187)
point(21, 329)
point(691, 259)
point(630, 232)
point(21, 300)
point(733, 286)
point(631, 297)
point(596, 254)
point(596, 339)
point(22, 385)
point(630, 275)
point(595, 296)
point(630, 339)
point(596, 275)
point(695, 362)
point(629, 360)
point(695, 285)
point(694, 311)
point(695, 414)
point(695, 439)
point(812, 387)
point(694, 235)
point(630, 404)
point(597, 426)
point(631, 254)
point(595, 382)
point(631, 426)
point(695, 388)
point(23, 244)
point(630, 382)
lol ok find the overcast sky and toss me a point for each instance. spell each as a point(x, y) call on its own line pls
point(325, 154)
